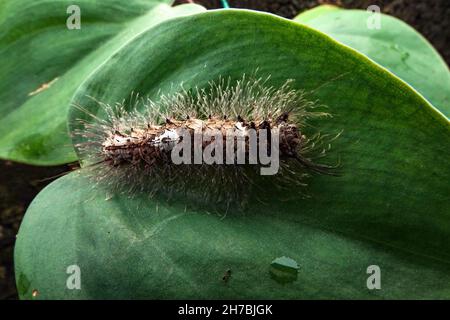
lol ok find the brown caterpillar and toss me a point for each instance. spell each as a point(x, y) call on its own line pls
point(135, 150)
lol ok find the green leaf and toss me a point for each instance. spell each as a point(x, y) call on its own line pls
point(134, 249)
point(396, 46)
point(389, 208)
point(311, 14)
point(37, 48)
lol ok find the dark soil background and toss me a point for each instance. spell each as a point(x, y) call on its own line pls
point(19, 183)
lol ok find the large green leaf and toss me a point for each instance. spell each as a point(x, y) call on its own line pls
point(142, 249)
point(389, 208)
point(36, 48)
point(395, 45)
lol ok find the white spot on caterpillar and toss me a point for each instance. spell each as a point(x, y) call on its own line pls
point(167, 140)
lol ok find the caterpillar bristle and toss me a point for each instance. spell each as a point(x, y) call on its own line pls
point(129, 147)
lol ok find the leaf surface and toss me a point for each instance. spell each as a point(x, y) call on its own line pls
point(43, 63)
point(394, 45)
point(389, 208)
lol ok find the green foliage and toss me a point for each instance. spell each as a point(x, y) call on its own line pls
point(395, 45)
point(389, 208)
point(33, 128)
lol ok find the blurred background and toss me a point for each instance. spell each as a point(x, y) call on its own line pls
point(20, 183)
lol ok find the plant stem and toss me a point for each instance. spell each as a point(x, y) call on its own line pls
point(225, 4)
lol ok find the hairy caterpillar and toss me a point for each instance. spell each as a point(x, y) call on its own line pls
point(133, 147)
